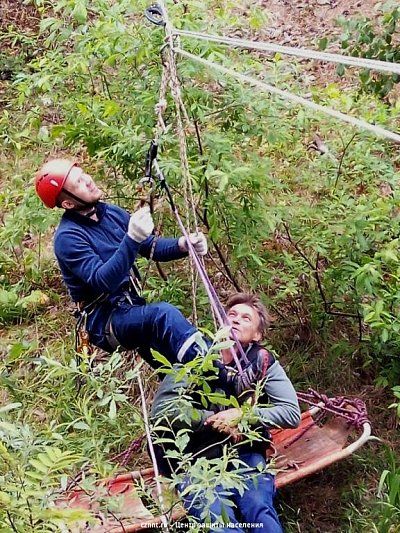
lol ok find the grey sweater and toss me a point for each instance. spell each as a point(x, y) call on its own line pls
point(171, 403)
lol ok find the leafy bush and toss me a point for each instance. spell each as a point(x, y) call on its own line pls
point(315, 234)
point(361, 38)
point(389, 494)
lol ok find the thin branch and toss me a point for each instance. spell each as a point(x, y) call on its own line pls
point(30, 514)
point(118, 520)
point(106, 86)
point(206, 186)
point(11, 522)
point(161, 272)
point(229, 106)
point(217, 249)
point(315, 270)
point(221, 271)
point(341, 160)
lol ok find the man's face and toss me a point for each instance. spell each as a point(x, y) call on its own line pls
point(245, 323)
point(82, 185)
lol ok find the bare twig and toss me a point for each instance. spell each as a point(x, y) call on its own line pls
point(341, 160)
point(11, 522)
point(316, 273)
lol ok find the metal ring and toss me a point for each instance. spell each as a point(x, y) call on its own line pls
point(154, 14)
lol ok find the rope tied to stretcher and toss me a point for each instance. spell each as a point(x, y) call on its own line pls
point(353, 410)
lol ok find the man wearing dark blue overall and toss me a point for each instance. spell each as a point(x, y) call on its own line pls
point(96, 245)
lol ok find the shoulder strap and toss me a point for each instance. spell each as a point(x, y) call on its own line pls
point(267, 360)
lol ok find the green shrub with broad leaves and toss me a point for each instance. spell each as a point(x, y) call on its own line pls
point(314, 231)
point(367, 38)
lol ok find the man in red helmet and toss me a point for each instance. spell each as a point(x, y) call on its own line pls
point(96, 245)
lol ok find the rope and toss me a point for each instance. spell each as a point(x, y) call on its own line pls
point(125, 456)
point(211, 293)
point(359, 62)
point(180, 109)
point(161, 105)
point(170, 67)
point(164, 519)
point(291, 97)
point(175, 87)
point(356, 416)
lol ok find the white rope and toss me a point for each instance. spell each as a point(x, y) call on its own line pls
point(181, 114)
point(164, 519)
point(287, 95)
point(359, 62)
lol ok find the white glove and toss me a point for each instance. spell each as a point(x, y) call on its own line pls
point(198, 241)
point(141, 224)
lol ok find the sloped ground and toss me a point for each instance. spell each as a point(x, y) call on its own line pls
point(317, 502)
point(19, 14)
point(302, 23)
point(18, 23)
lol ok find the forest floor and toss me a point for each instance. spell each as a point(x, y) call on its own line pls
point(315, 504)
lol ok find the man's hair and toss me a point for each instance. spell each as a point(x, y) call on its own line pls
point(61, 197)
point(252, 301)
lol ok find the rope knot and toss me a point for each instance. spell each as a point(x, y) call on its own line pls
point(161, 106)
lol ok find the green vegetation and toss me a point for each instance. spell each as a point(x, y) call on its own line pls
point(365, 38)
point(315, 232)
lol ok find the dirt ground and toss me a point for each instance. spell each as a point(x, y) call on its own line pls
point(302, 23)
point(292, 23)
point(15, 13)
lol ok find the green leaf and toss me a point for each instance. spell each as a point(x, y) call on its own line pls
point(111, 108)
point(79, 13)
point(113, 410)
point(81, 425)
point(39, 466)
point(10, 407)
point(161, 359)
point(340, 70)
point(323, 43)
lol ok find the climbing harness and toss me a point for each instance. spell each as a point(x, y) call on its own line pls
point(83, 348)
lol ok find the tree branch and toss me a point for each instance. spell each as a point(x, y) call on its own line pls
point(316, 273)
point(341, 160)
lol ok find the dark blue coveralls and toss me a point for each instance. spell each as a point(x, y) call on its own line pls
point(96, 258)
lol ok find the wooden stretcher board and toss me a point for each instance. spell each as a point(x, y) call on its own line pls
point(123, 504)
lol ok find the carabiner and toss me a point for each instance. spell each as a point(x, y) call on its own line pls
point(154, 14)
point(150, 157)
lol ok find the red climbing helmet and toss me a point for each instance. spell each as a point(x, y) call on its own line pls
point(50, 179)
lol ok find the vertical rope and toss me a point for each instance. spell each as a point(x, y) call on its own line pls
point(181, 114)
point(164, 519)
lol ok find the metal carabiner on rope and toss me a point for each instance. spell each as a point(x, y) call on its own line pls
point(150, 157)
point(146, 185)
point(154, 14)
